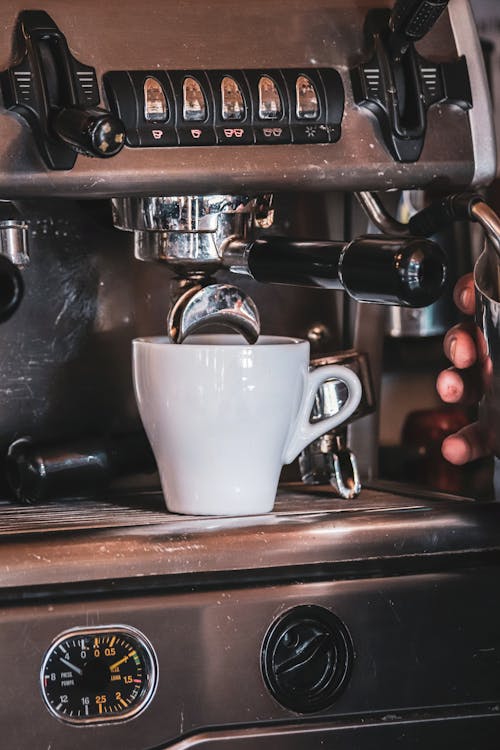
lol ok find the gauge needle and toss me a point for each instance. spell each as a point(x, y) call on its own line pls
point(71, 666)
point(117, 663)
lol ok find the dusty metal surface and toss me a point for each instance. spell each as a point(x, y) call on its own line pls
point(88, 542)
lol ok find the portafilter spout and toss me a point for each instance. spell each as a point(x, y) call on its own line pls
point(199, 305)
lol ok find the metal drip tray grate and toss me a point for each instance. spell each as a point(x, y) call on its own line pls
point(147, 508)
point(309, 529)
point(76, 515)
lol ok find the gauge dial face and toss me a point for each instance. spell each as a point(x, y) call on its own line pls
point(98, 675)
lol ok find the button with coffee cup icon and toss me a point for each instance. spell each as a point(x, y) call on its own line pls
point(157, 136)
point(231, 135)
point(196, 135)
point(277, 133)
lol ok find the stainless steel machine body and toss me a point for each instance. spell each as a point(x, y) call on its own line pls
point(413, 581)
point(393, 636)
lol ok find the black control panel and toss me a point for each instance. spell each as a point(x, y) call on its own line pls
point(227, 107)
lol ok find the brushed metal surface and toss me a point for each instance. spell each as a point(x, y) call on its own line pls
point(305, 530)
point(286, 33)
point(422, 641)
point(66, 352)
point(481, 115)
point(432, 729)
point(414, 580)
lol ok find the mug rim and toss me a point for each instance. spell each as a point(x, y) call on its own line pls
point(227, 341)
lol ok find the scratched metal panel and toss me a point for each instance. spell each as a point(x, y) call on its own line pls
point(423, 641)
point(286, 33)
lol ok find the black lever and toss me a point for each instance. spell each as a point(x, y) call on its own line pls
point(411, 20)
point(408, 272)
point(398, 85)
point(408, 22)
point(58, 96)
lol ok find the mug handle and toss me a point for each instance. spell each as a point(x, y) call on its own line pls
point(304, 432)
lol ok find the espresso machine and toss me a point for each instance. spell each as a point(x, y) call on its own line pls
point(165, 167)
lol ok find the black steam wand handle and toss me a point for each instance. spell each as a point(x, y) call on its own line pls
point(408, 272)
point(442, 213)
point(412, 19)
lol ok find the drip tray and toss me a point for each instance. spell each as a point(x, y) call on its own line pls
point(309, 533)
point(148, 508)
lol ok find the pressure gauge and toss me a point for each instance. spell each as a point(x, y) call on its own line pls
point(98, 675)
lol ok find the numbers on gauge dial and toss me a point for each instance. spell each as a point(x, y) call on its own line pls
point(98, 675)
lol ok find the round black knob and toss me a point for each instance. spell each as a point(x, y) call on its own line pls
point(306, 658)
point(93, 132)
point(408, 271)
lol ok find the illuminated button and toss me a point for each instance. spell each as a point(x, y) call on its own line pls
point(233, 106)
point(273, 133)
point(307, 99)
point(154, 135)
point(194, 106)
point(155, 103)
point(270, 105)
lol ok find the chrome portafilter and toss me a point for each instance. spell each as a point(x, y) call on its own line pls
point(190, 234)
point(197, 236)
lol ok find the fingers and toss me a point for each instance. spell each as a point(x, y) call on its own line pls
point(464, 294)
point(460, 345)
point(458, 386)
point(468, 444)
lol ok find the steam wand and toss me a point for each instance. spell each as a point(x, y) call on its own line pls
point(436, 217)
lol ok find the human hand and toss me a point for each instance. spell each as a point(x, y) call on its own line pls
point(460, 384)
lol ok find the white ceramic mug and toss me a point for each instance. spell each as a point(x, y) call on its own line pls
point(224, 416)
